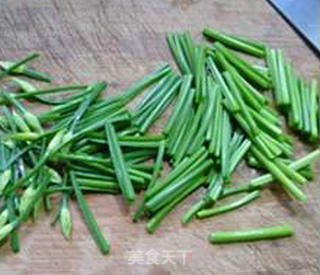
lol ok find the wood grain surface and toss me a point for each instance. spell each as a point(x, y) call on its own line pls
point(119, 41)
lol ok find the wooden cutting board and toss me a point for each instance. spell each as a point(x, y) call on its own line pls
point(119, 41)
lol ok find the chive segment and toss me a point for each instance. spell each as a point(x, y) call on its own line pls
point(91, 222)
point(119, 164)
point(256, 234)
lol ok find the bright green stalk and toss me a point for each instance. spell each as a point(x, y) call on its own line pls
point(177, 53)
point(245, 67)
point(257, 234)
point(193, 129)
point(155, 221)
point(206, 213)
point(183, 93)
point(293, 94)
point(119, 164)
point(314, 109)
point(284, 93)
point(296, 165)
point(144, 83)
point(288, 185)
point(162, 104)
point(241, 44)
point(15, 65)
point(168, 194)
point(91, 222)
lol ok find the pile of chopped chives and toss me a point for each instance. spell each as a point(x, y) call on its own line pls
point(220, 116)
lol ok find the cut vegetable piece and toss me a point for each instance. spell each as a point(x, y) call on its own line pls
point(228, 207)
point(284, 93)
point(241, 44)
point(119, 164)
point(155, 221)
point(183, 93)
point(91, 222)
point(176, 188)
point(288, 185)
point(257, 234)
point(244, 67)
point(314, 109)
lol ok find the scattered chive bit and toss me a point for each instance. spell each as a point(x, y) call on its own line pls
point(243, 44)
point(228, 207)
point(86, 143)
point(257, 234)
point(93, 227)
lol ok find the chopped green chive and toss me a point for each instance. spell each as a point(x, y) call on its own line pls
point(257, 234)
point(87, 143)
point(245, 45)
point(228, 207)
point(91, 222)
point(119, 164)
